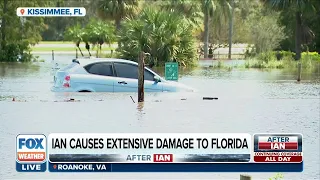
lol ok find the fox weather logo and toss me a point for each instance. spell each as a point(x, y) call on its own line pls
point(31, 152)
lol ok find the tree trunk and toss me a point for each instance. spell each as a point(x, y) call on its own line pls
point(298, 35)
point(206, 33)
point(118, 26)
point(231, 29)
point(3, 25)
point(80, 51)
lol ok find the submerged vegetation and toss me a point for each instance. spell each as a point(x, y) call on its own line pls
point(283, 59)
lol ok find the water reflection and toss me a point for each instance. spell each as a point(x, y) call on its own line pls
point(140, 112)
point(140, 106)
point(17, 69)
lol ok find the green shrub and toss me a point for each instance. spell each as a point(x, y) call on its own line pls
point(286, 60)
point(266, 57)
point(264, 60)
point(315, 56)
point(13, 52)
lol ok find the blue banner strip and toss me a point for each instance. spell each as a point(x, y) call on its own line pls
point(175, 167)
point(31, 167)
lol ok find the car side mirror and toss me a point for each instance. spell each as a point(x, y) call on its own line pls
point(156, 79)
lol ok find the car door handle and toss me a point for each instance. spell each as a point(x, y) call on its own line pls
point(122, 82)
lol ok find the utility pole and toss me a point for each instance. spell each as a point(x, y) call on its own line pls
point(231, 29)
point(141, 77)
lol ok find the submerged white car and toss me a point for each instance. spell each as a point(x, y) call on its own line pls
point(110, 75)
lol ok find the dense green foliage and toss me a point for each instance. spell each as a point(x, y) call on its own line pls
point(18, 33)
point(245, 11)
point(267, 25)
point(166, 36)
point(264, 32)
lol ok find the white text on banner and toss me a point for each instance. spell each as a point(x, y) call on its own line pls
point(179, 143)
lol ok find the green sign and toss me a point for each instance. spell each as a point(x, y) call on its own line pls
point(171, 71)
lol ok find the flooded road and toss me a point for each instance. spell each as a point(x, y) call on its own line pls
point(250, 101)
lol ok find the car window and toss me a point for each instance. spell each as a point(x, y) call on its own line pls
point(104, 69)
point(148, 75)
point(125, 70)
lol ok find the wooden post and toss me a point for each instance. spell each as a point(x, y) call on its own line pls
point(52, 55)
point(141, 78)
point(231, 29)
point(245, 177)
point(299, 71)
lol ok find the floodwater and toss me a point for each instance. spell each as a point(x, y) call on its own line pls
point(250, 101)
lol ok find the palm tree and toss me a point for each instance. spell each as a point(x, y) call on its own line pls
point(212, 9)
point(191, 10)
point(166, 36)
point(299, 6)
point(117, 9)
point(75, 34)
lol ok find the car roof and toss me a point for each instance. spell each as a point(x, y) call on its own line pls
point(86, 61)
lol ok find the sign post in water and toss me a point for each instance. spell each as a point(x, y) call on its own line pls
point(171, 71)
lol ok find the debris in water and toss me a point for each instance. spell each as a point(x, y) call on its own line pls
point(69, 100)
point(14, 100)
point(184, 99)
point(210, 98)
point(132, 99)
point(72, 100)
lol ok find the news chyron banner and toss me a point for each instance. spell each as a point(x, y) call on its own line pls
point(278, 148)
point(135, 152)
point(31, 153)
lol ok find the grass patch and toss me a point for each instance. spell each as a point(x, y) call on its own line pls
point(44, 49)
point(56, 42)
